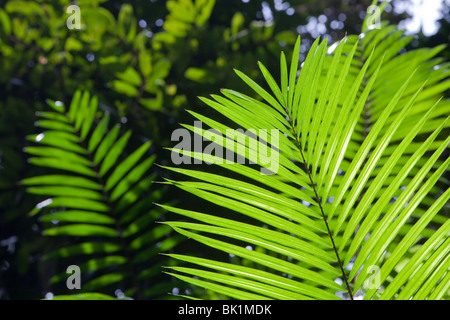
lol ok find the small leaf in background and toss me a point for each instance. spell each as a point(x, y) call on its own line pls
point(73, 44)
point(177, 28)
point(153, 104)
point(19, 28)
point(287, 37)
point(24, 7)
point(47, 43)
point(204, 9)
point(98, 20)
point(199, 75)
point(181, 10)
point(237, 22)
point(145, 62)
point(125, 88)
point(130, 75)
point(5, 22)
point(163, 38)
point(161, 69)
point(171, 90)
point(126, 22)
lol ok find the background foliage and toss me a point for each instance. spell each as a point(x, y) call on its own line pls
point(145, 61)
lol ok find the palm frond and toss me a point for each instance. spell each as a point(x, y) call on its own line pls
point(99, 201)
point(356, 204)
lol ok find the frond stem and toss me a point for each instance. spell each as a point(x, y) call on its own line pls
point(330, 234)
point(108, 202)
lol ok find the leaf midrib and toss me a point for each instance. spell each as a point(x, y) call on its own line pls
point(317, 198)
point(108, 202)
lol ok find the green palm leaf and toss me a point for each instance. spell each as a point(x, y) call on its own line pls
point(99, 201)
point(356, 205)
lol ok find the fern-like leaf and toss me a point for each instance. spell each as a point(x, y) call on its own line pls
point(100, 201)
point(356, 207)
